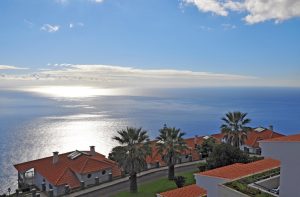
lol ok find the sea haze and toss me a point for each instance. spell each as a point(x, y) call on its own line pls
point(34, 125)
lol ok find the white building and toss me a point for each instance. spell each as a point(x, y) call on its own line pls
point(59, 174)
point(287, 150)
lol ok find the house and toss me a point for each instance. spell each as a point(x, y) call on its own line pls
point(191, 154)
point(212, 180)
point(251, 144)
point(286, 149)
point(62, 173)
point(187, 191)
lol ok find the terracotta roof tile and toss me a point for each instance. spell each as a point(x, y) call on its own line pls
point(187, 191)
point(254, 136)
point(239, 170)
point(68, 177)
point(290, 138)
point(65, 168)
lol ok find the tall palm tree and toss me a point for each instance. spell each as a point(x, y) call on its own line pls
point(131, 155)
point(170, 146)
point(234, 128)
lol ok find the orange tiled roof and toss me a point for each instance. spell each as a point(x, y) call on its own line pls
point(290, 138)
point(239, 170)
point(63, 172)
point(218, 136)
point(187, 191)
point(155, 157)
point(254, 136)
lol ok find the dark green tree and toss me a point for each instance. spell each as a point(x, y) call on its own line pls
point(131, 155)
point(206, 147)
point(225, 154)
point(234, 128)
point(170, 146)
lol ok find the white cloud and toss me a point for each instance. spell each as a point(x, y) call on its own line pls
point(7, 67)
point(213, 6)
point(256, 10)
point(97, 1)
point(73, 25)
point(50, 28)
point(127, 77)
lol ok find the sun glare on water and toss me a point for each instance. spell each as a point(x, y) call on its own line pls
point(72, 91)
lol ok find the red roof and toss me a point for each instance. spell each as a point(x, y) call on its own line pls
point(254, 136)
point(155, 157)
point(63, 172)
point(290, 138)
point(187, 191)
point(239, 170)
point(218, 137)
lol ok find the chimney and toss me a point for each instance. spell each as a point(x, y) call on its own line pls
point(92, 150)
point(55, 157)
point(195, 141)
point(271, 127)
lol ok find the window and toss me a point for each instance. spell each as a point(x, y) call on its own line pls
point(103, 172)
point(89, 176)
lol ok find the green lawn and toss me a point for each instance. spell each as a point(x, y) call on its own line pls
point(150, 189)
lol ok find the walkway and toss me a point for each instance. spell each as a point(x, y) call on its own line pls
point(113, 187)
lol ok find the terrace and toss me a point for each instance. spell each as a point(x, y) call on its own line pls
point(264, 184)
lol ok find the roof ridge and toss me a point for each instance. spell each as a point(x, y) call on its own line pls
point(83, 166)
point(60, 177)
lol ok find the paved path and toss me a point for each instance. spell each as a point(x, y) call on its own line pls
point(111, 188)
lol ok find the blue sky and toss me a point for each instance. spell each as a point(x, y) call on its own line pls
point(226, 37)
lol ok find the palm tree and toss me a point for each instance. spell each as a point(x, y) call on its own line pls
point(235, 128)
point(131, 155)
point(170, 146)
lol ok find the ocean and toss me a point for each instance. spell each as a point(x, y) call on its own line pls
point(34, 125)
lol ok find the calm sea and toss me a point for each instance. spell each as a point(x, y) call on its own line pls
point(33, 126)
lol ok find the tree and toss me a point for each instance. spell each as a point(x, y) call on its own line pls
point(225, 154)
point(206, 147)
point(131, 155)
point(170, 146)
point(235, 128)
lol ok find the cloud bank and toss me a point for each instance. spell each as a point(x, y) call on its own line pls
point(7, 67)
point(124, 77)
point(256, 10)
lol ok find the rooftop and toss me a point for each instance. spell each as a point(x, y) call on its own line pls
point(63, 171)
point(190, 191)
point(239, 170)
point(290, 138)
point(254, 136)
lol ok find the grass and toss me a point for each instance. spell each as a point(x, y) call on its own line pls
point(150, 189)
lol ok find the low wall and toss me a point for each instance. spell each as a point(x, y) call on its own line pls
point(225, 191)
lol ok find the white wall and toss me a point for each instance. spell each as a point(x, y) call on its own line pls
point(38, 180)
point(210, 184)
point(224, 191)
point(91, 180)
point(289, 155)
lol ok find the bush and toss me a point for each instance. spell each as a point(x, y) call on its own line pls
point(179, 181)
point(202, 167)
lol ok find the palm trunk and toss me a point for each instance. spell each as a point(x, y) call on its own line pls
point(171, 172)
point(133, 182)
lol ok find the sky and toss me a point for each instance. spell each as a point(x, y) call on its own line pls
point(156, 43)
